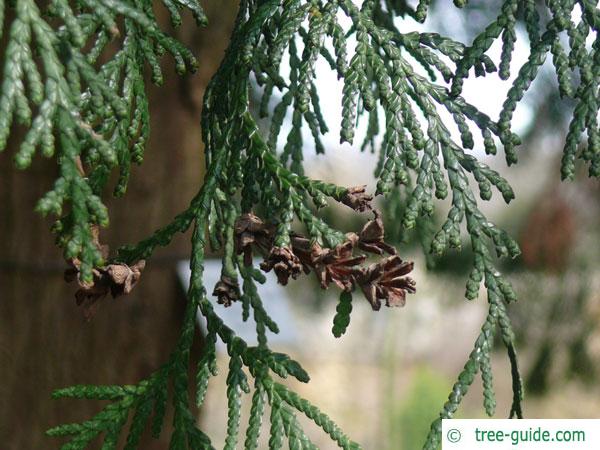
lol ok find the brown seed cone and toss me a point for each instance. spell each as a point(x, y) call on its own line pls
point(251, 230)
point(227, 291)
point(337, 265)
point(371, 238)
point(284, 262)
point(385, 280)
point(116, 279)
point(123, 277)
point(305, 251)
point(357, 198)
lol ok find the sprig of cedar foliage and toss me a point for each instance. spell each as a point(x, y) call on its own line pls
point(87, 107)
point(81, 111)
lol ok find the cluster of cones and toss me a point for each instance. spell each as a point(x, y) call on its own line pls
point(382, 281)
point(115, 279)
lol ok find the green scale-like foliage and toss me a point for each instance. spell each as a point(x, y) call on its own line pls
point(87, 107)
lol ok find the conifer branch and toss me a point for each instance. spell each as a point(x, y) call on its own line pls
point(88, 109)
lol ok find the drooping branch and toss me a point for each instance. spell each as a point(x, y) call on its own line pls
point(88, 108)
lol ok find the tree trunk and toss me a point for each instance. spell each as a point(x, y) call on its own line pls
point(44, 341)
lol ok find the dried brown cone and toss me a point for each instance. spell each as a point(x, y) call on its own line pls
point(337, 265)
point(371, 237)
point(357, 198)
point(284, 263)
point(251, 230)
point(386, 280)
point(305, 250)
point(89, 294)
point(227, 290)
point(123, 278)
point(117, 279)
